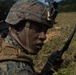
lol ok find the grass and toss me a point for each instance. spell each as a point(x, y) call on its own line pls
point(64, 27)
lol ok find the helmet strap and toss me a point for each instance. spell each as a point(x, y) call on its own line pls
point(27, 25)
point(27, 48)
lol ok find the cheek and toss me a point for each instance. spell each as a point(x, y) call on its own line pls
point(22, 37)
point(33, 37)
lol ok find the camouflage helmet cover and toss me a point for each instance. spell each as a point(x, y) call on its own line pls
point(32, 10)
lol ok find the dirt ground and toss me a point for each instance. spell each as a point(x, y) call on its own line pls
point(51, 35)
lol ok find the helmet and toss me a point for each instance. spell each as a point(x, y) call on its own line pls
point(29, 10)
point(32, 10)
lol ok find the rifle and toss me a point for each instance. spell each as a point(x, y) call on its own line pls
point(56, 55)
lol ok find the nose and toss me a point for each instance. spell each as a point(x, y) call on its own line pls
point(42, 36)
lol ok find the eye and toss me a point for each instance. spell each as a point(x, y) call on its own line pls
point(45, 29)
point(36, 28)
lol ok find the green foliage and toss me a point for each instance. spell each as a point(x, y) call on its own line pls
point(65, 25)
point(67, 5)
point(70, 70)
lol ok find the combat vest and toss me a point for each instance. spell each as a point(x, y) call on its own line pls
point(10, 50)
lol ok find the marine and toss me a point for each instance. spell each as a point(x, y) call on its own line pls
point(28, 25)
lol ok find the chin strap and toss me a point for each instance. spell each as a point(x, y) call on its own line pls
point(15, 36)
point(27, 25)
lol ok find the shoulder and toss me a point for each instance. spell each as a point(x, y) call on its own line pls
point(16, 67)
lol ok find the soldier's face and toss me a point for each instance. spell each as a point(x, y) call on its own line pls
point(37, 35)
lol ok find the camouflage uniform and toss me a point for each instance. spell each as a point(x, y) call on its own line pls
point(15, 68)
point(14, 61)
point(10, 65)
